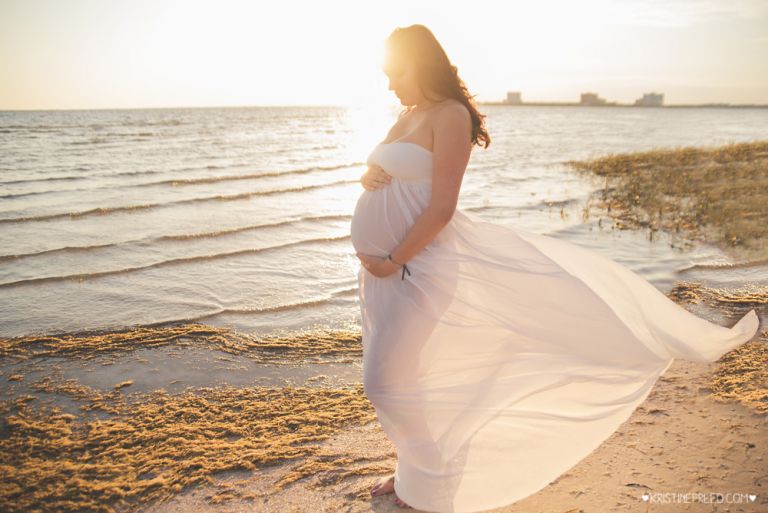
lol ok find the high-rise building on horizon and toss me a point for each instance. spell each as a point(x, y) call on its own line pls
point(651, 100)
point(514, 97)
point(591, 99)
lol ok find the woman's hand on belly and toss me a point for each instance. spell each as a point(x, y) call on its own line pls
point(375, 178)
point(377, 266)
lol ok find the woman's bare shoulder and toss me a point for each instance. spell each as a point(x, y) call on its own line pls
point(456, 106)
point(452, 121)
point(453, 112)
point(452, 109)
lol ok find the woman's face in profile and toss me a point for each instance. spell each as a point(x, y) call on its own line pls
point(402, 80)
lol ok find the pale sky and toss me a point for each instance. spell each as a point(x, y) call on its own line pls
point(71, 54)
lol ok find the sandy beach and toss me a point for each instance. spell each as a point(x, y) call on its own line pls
point(287, 448)
point(191, 417)
point(685, 439)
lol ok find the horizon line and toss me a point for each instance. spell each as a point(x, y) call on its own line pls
point(543, 103)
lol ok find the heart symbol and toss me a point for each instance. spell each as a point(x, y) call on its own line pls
point(646, 497)
point(752, 497)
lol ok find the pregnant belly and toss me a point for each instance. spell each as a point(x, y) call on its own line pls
point(378, 223)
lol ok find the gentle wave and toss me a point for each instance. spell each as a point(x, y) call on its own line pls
point(95, 126)
point(37, 193)
point(534, 206)
point(484, 208)
point(171, 181)
point(93, 140)
point(163, 263)
point(248, 176)
point(279, 308)
point(219, 197)
point(184, 236)
point(79, 177)
point(548, 204)
point(724, 266)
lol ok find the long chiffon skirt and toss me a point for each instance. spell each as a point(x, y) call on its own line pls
point(506, 357)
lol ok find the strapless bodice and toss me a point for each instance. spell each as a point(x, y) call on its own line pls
point(406, 161)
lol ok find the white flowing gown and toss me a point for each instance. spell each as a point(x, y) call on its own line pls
point(506, 356)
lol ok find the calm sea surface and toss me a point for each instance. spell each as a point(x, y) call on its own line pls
point(240, 216)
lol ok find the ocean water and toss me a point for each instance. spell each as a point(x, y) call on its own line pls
point(240, 217)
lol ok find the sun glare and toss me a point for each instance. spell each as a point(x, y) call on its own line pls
point(162, 53)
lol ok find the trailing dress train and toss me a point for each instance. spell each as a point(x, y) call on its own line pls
point(505, 357)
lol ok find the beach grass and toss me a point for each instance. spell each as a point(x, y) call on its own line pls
point(119, 450)
point(714, 194)
point(156, 445)
point(325, 346)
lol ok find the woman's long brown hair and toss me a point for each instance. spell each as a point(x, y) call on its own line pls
point(435, 73)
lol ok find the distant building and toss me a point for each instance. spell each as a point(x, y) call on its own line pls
point(651, 100)
point(591, 99)
point(513, 97)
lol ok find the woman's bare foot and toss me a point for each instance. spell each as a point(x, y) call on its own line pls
point(400, 502)
point(384, 485)
point(387, 485)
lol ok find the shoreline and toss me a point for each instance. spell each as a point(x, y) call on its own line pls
point(189, 416)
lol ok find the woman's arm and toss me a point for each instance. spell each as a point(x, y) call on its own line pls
point(450, 156)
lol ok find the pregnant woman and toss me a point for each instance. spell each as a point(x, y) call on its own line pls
point(496, 358)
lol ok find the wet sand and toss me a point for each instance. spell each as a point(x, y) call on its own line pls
point(190, 417)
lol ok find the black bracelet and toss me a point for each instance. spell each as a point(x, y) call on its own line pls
point(405, 267)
